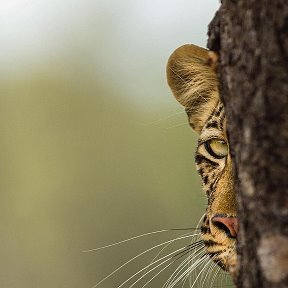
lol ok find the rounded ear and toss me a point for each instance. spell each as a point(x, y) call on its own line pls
point(192, 78)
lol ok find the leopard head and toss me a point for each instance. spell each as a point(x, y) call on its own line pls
point(192, 77)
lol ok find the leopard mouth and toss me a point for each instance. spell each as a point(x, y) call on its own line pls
point(222, 253)
point(225, 258)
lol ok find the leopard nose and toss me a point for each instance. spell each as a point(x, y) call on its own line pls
point(227, 224)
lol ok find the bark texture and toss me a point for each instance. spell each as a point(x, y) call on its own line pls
point(251, 38)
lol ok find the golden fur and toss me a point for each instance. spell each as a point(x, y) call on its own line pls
point(193, 80)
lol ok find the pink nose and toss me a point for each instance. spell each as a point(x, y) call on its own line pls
point(228, 224)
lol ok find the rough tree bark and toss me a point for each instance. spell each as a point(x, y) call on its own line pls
point(251, 38)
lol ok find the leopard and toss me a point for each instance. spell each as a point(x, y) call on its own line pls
point(192, 78)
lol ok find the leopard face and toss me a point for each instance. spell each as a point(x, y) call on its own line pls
point(192, 78)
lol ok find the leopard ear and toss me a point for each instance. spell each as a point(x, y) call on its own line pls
point(191, 75)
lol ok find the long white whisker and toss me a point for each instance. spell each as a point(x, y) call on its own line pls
point(164, 118)
point(184, 263)
point(186, 272)
point(160, 272)
point(181, 275)
point(146, 267)
point(164, 249)
point(126, 240)
point(192, 272)
point(183, 249)
point(222, 278)
point(215, 274)
point(208, 273)
point(210, 269)
point(182, 266)
point(176, 125)
point(193, 267)
point(200, 272)
point(152, 269)
point(137, 256)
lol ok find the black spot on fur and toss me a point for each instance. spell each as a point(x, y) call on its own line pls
point(213, 124)
point(211, 186)
point(209, 243)
point(217, 114)
point(205, 180)
point(201, 171)
point(220, 108)
point(200, 159)
point(205, 230)
point(218, 261)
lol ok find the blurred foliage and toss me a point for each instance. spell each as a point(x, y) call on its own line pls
point(83, 165)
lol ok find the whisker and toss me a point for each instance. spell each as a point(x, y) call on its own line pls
point(180, 229)
point(215, 274)
point(173, 278)
point(167, 246)
point(208, 273)
point(224, 279)
point(201, 262)
point(137, 256)
point(152, 269)
point(160, 272)
point(220, 277)
point(193, 272)
point(164, 118)
point(207, 258)
point(189, 247)
point(136, 237)
point(126, 240)
point(185, 263)
point(184, 275)
point(177, 125)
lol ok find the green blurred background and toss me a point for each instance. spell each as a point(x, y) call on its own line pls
point(94, 149)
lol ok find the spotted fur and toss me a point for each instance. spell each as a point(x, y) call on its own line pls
point(193, 80)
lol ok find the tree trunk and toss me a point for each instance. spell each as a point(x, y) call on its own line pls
point(251, 38)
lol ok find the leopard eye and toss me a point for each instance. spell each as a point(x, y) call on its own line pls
point(217, 148)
